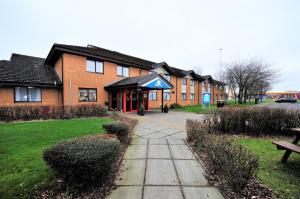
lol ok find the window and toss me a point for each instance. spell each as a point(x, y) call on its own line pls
point(87, 95)
point(94, 66)
point(192, 96)
point(192, 82)
point(183, 95)
point(203, 87)
point(167, 95)
point(123, 71)
point(183, 81)
point(152, 96)
point(168, 77)
point(28, 94)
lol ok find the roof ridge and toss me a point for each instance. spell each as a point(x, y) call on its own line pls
point(30, 56)
point(100, 48)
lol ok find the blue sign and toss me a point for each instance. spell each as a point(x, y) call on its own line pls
point(157, 83)
point(206, 98)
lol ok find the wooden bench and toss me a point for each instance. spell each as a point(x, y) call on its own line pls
point(289, 147)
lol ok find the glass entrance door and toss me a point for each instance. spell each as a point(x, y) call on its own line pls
point(134, 99)
point(145, 99)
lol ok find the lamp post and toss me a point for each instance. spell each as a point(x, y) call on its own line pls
point(220, 54)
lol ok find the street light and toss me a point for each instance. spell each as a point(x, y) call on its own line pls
point(220, 52)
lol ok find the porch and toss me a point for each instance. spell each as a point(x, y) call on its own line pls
point(128, 94)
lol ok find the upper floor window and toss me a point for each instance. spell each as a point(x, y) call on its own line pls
point(123, 71)
point(28, 94)
point(183, 81)
point(183, 96)
point(168, 77)
point(94, 66)
point(87, 95)
point(192, 97)
point(152, 95)
point(192, 82)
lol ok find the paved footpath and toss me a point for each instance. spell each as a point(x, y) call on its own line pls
point(159, 165)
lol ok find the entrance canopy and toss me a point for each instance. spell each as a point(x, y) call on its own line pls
point(152, 81)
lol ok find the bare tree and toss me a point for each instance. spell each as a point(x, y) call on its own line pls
point(249, 78)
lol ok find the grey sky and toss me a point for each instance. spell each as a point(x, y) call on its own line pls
point(185, 34)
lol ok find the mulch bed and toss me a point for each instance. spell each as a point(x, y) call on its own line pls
point(57, 188)
point(255, 189)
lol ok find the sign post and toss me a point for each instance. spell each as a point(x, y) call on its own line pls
point(206, 100)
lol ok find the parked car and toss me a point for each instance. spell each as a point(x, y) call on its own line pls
point(286, 100)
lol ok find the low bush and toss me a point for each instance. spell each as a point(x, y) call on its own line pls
point(121, 130)
point(175, 106)
point(229, 161)
point(83, 162)
point(254, 121)
point(197, 133)
point(12, 113)
point(232, 162)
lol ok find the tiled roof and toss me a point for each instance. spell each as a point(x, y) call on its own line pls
point(136, 81)
point(101, 53)
point(23, 69)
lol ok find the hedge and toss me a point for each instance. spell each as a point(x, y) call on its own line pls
point(229, 161)
point(254, 121)
point(12, 113)
point(83, 162)
point(121, 130)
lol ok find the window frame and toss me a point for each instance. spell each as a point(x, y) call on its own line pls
point(182, 96)
point(95, 66)
point(123, 71)
point(27, 99)
point(168, 93)
point(166, 76)
point(192, 80)
point(88, 89)
point(150, 99)
point(184, 81)
point(192, 94)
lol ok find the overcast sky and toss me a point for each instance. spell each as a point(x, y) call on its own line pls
point(185, 34)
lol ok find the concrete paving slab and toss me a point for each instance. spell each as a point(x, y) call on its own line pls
point(131, 172)
point(127, 192)
point(202, 193)
point(139, 140)
point(175, 141)
point(181, 152)
point(162, 192)
point(136, 152)
point(190, 172)
point(144, 132)
point(159, 151)
point(157, 141)
point(170, 131)
point(159, 128)
point(180, 135)
point(154, 135)
point(160, 172)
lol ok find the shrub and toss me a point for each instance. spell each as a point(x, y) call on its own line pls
point(175, 106)
point(11, 113)
point(166, 108)
point(83, 162)
point(232, 162)
point(119, 129)
point(197, 133)
point(254, 121)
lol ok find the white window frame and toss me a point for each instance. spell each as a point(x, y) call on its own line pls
point(167, 95)
point(183, 94)
point(122, 71)
point(192, 96)
point(167, 77)
point(152, 94)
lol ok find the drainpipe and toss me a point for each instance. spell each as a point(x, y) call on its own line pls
point(71, 93)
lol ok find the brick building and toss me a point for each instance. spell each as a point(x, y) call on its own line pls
point(74, 75)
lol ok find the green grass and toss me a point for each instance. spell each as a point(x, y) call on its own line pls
point(196, 108)
point(251, 103)
point(22, 168)
point(284, 179)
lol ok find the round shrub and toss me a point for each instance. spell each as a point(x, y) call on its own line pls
point(119, 129)
point(84, 161)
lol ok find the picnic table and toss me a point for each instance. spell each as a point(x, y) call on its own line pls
point(289, 147)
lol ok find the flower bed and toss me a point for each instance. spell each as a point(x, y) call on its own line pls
point(230, 165)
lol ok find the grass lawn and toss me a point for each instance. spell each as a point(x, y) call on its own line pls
point(195, 108)
point(284, 179)
point(22, 167)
